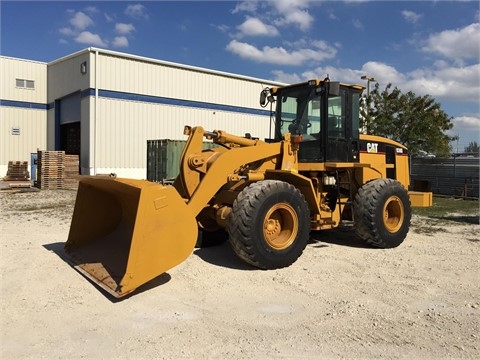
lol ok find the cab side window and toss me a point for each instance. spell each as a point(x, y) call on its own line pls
point(336, 118)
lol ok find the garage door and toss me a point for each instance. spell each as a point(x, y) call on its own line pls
point(69, 120)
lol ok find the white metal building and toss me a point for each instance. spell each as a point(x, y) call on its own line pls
point(105, 105)
point(23, 109)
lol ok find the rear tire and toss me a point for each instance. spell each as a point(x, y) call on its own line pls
point(269, 224)
point(382, 213)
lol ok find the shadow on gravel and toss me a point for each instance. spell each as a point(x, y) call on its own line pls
point(223, 255)
point(58, 248)
point(344, 236)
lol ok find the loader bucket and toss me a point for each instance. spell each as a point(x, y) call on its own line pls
point(126, 232)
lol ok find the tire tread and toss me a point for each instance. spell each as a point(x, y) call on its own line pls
point(241, 220)
point(367, 201)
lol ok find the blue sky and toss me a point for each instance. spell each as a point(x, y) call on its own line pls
point(428, 47)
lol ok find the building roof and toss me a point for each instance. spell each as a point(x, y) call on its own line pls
point(164, 63)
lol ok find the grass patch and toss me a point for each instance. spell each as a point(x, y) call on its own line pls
point(446, 206)
point(451, 209)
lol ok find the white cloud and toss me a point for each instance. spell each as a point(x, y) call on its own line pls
point(441, 64)
point(289, 78)
point(66, 31)
point(301, 18)
point(223, 28)
point(382, 72)
point(281, 56)
point(122, 28)
point(470, 122)
point(120, 41)
point(86, 37)
point(460, 44)
point(245, 50)
point(108, 18)
point(332, 16)
point(411, 16)
point(465, 127)
point(285, 6)
point(358, 24)
point(293, 12)
point(136, 11)
point(91, 10)
point(255, 27)
point(452, 83)
point(80, 21)
point(279, 12)
point(247, 6)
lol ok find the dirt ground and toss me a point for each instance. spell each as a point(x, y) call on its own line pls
point(341, 299)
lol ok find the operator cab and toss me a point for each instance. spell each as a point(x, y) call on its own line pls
point(324, 114)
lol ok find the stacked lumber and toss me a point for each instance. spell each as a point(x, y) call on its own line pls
point(55, 170)
point(17, 171)
point(50, 169)
point(72, 166)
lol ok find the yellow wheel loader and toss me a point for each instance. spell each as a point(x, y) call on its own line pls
point(265, 196)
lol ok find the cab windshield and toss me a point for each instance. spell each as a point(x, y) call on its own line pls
point(299, 113)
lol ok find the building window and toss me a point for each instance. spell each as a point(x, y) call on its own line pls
point(25, 84)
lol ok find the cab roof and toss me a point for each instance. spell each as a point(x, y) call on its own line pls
point(318, 82)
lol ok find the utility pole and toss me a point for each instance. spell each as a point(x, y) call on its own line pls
point(368, 78)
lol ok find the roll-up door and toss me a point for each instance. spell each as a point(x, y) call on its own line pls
point(70, 113)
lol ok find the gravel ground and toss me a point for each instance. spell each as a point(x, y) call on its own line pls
point(341, 299)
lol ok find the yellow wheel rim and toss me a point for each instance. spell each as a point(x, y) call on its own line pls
point(393, 214)
point(280, 226)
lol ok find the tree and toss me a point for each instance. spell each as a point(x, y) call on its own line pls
point(417, 122)
point(472, 148)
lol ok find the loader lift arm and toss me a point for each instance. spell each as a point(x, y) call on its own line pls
point(202, 174)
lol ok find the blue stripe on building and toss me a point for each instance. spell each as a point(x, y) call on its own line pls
point(109, 94)
point(178, 102)
point(23, 104)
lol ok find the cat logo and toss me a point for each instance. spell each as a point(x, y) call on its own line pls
point(372, 148)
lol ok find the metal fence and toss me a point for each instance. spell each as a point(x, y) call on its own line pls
point(455, 176)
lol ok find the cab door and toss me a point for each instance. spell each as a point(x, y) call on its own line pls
point(341, 137)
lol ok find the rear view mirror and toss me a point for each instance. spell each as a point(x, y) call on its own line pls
point(263, 98)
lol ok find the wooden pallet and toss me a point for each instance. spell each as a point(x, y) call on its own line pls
point(17, 171)
point(50, 169)
point(55, 170)
point(19, 184)
point(72, 169)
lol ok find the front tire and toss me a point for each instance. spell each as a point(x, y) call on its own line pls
point(382, 213)
point(269, 224)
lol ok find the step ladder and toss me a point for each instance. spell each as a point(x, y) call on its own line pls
point(341, 203)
